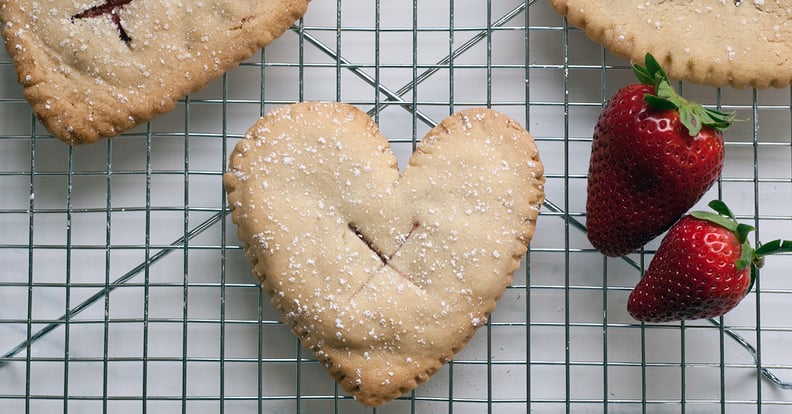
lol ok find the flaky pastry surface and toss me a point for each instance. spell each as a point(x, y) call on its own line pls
point(383, 276)
point(712, 42)
point(92, 69)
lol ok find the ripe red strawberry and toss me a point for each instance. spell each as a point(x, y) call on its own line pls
point(703, 268)
point(653, 156)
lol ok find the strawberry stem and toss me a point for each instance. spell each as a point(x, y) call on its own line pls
point(692, 115)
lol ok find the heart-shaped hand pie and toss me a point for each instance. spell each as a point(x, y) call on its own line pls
point(383, 276)
point(92, 69)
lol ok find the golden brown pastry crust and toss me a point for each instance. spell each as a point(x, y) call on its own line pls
point(86, 80)
point(712, 42)
point(383, 276)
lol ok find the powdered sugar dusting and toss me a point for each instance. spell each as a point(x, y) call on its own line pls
point(374, 265)
point(125, 61)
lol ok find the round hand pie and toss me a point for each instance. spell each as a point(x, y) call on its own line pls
point(383, 276)
point(93, 68)
point(713, 42)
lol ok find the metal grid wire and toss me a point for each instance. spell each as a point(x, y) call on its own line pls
point(124, 288)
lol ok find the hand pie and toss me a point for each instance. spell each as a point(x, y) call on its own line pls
point(712, 42)
point(92, 69)
point(384, 276)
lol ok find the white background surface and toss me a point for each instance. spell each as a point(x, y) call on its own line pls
point(191, 331)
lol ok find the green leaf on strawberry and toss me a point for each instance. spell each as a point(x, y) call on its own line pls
point(775, 246)
point(692, 115)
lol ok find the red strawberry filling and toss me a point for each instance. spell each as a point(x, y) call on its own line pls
point(382, 256)
point(110, 7)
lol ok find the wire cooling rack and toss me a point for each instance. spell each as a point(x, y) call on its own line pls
point(124, 289)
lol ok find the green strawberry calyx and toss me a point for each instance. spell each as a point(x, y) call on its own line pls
point(692, 115)
point(749, 256)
